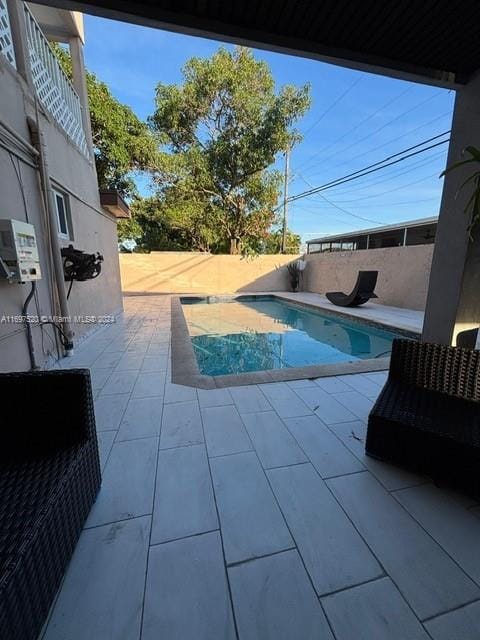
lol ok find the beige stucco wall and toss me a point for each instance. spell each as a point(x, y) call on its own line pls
point(183, 272)
point(403, 273)
point(94, 230)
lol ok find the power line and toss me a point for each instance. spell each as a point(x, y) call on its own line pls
point(378, 204)
point(390, 204)
point(384, 144)
point(377, 166)
point(354, 215)
point(391, 175)
point(334, 103)
point(403, 186)
point(359, 124)
point(404, 113)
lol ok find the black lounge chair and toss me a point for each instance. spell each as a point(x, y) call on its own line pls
point(427, 416)
point(361, 293)
point(49, 479)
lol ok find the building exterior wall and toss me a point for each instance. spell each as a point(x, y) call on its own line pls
point(403, 273)
point(94, 229)
point(185, 272)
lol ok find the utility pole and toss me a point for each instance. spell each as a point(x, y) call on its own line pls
point(285, 201)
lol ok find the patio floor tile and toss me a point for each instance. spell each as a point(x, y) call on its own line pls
point(184, 503)
point(274, 444)
point(274, 600)
point(363, 384)
point(149, 385)
point(251, 521)
point(154, 363)
point(380, 377)
point(461, 624)
point(141, 419)
point(128, 482)
point(430, 581)
point(186, 594)
point(327, 408)
point(332, 384)
point(179, 393)
point(325, 451)
point(181, 425)
point(455, 528)
point(358, 404)
point(119, 382)
point(118, 345)
point(107, 360)
point(224, 431)
point(334, 554)
point(105, 442)
point(214, 397)
point(249, 399)
point(285, 401)
point(157, 349)
point(372, 611)
point(99, 377)
point(353, 435)
point(129, 362)
point(102, 594)
point(302, 383)
point(109, 411)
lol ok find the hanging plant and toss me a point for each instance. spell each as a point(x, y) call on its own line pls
point(473, 205)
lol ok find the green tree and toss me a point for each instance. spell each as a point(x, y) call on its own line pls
point(273, 242)
point(164, 226)
point(224, 126)
point(123, 144)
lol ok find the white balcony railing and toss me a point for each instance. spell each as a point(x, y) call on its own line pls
point(6, 45)
point(54, 89)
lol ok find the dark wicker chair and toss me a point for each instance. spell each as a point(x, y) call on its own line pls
point(49, 478)
point(427, 416)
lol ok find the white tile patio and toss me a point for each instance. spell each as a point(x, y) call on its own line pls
point(253, 513)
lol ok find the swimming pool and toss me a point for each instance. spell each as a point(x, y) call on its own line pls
point(261, 333)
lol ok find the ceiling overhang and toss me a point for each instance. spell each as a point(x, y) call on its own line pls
point(434, 42)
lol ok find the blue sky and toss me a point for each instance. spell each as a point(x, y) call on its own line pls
point(355, 120)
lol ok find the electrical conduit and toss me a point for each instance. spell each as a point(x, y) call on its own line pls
point(39, 143)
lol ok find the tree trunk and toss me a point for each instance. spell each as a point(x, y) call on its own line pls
point(234, 246)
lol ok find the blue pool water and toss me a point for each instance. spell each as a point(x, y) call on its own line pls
point(262, 333)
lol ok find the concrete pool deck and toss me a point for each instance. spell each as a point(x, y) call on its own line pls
point(185, 368)
point(253, 513)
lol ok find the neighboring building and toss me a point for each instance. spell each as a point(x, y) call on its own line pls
point(414, 232)
point(51, 186)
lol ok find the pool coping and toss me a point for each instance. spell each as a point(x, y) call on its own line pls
point(185, 368)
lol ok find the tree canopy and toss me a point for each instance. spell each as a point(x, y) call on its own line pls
point(221, 131)
point(209, 148)
point(123, 144)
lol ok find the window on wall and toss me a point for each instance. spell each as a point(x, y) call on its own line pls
point(63, 215)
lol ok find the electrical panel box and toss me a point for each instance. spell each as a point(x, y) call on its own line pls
point(19, 261)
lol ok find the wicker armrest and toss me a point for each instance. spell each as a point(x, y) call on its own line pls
point(45, 411)
point(451, 370)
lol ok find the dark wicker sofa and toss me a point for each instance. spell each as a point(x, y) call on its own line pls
point(427, 416)
point(49, 478)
